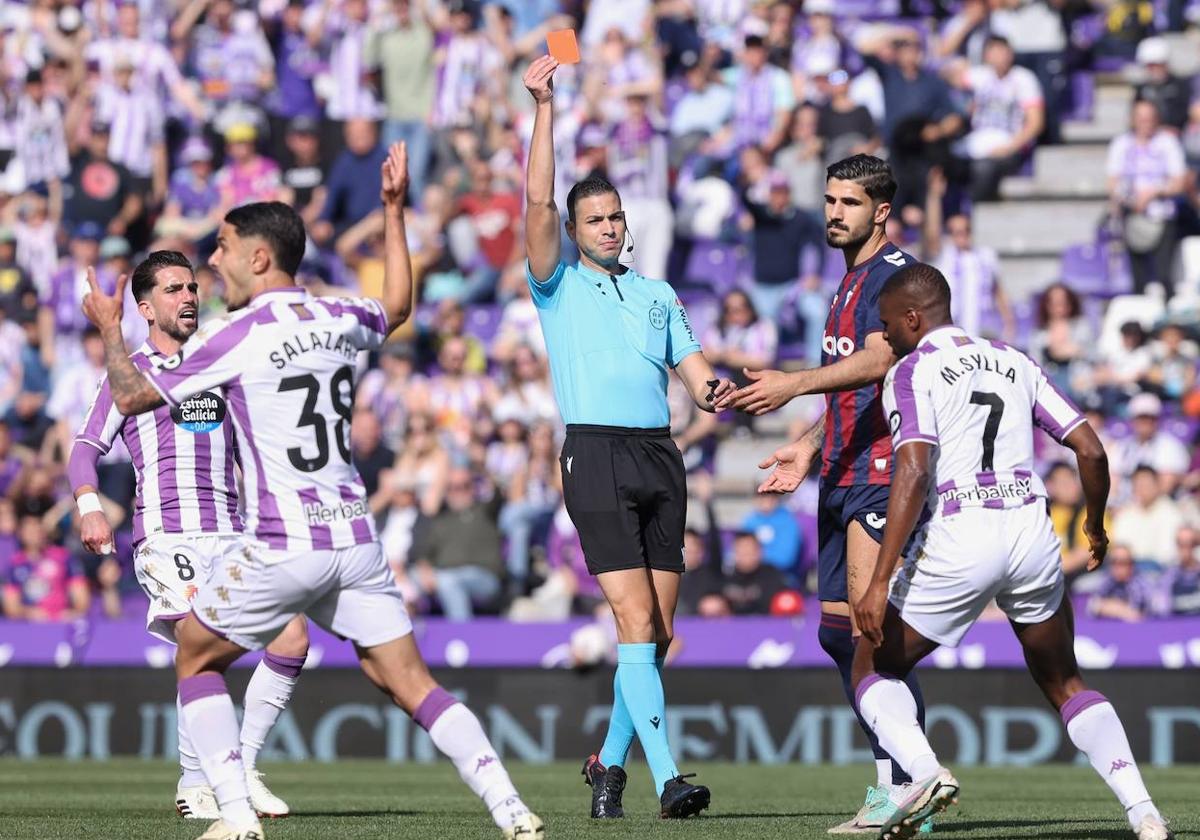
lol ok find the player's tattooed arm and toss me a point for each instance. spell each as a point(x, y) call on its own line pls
point(132, 393)
point(911, 476)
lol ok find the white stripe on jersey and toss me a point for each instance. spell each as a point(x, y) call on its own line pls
point(149, 485)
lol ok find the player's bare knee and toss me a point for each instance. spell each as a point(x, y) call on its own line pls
point(634, 625)
point(292, 640)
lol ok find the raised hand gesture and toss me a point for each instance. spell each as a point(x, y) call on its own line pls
point(394, 176)
point(104, 310)
point(539, 78)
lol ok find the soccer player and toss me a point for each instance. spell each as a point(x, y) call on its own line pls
point(961, 412)
point(285, 363)
point(851, 437)
point(185, 518)
point(612, 338)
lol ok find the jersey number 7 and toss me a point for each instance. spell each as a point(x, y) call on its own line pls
point(991, 428)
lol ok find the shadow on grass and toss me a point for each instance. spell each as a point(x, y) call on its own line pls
point(1080, 829)
point(774, 815)
point(386, 812)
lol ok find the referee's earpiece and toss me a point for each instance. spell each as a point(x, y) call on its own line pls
point(629, 250)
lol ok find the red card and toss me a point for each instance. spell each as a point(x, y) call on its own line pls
point(563, 46)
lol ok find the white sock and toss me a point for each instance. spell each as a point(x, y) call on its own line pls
point(883, 773)
point(267, 694)
point(190, 772)
point(1095, 729)
point(889, 709)
point(457, 733)
point(210, 718)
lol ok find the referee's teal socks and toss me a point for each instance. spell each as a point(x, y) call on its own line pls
point(619, 739)
point(640, 686)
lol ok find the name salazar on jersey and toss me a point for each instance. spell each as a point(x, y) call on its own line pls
point(978, 362)
point(201, 413)
point(302, 343)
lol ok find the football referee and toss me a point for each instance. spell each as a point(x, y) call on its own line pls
point(612, 337)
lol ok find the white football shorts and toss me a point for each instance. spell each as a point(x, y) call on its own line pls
point(958, 564)
point(172, 569)
point(350, 592)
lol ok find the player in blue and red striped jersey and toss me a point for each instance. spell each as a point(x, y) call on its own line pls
point(851, 438)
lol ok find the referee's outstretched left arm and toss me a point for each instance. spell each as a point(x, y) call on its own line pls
point(702, 382)
point(542, 244)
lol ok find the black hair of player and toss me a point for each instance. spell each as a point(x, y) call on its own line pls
point(925, 288)
point(588, 187)
point(145, 275)
point(871, 173)
point(275, 223)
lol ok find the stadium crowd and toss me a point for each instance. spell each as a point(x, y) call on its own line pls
point(128, 126)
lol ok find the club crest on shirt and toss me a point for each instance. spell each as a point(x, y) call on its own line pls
point(201, 413)
point(658, 316)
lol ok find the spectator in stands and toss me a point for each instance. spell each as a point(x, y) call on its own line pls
point(423, 465)
point(1067, 515)
point(823, 50)
point(1119, 375)
point(450, 323)
point(702, 574)
point(920, 118)
point(37, 227)
point(638, 168)
point(844, 125)
point(402, 51)
point(456, 557)
point(701, 118)
point(972, 271)
point(27, 416)
point(247, 176)
point(490, 216)
point(762, 98)
point(530, 502)
point(454, 396)
point(137, 129)
point(72, 395)
point(1063, 341)
point(750, 584)
point(778, 534)
point(303, 179)
point(1126, 594)
point(1150, 445)
point(17, 289)
point(344, 31)
point(786, 244)
point(1173, 358)
point(803, 161)
point(194, 203)
point(1160, 86)
point(1147, 173)
point(1181, 583)
point(13, 461)
point(40, 144)
point(519, 325)
point(1147, 526)
point(1007, 116)
point(297, 63)
point(354, 181)
point(62, 321)
point(99, 190)
point(371, 455)
point(384, 390)
point(12, 342)
point(8, 535)
point(964, 33)
point(44, 583)
point(526, 394)
point(738, 340)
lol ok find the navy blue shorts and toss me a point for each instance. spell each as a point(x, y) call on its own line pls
point(837, 508)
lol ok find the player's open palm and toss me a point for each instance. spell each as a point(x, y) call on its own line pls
point(791, 463)
point(95, 532)
point(394, 174)
point(101, 309)
point(539, 78)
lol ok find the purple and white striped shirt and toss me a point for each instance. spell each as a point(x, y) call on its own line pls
point(286, 367)
point(137, 125)
point(40, 143)
point(637, 159)
point(352, 97)
point(977, 401)
point(183, 456)
point(470, 65)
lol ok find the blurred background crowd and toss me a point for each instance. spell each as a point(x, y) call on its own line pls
point(1047, 153)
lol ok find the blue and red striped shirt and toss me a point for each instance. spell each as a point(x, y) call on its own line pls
point(858, 445)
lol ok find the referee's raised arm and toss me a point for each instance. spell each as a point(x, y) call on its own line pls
point(542, 244)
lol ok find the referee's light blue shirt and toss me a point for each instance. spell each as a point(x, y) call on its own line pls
point(611, 339)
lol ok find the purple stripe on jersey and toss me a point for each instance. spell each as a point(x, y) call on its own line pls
point(1079, 702)
point(994, 504)
point(321, 535)
point(360, 527)
point(303, 312)
point(951, 507)
point(906, 402)
point(1022, 475)
point(168, 473)
point(368, 317)
point(134, 444)
point(1029, 500)
point(986, 479)
point(431, 708)
point(208, 684)
point(270, 528)
point(221, 344)
point(999, 345)
point(1045, 419)
point(206, 498)
point(946, 486)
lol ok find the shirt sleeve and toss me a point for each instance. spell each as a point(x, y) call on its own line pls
point(681, 340)
point(872, 289)
point(206, 361)
point(908, 405)
point(545, 292)
point(370, 329)
point(1114, 164)
point(1053, 411)
point(103, 422)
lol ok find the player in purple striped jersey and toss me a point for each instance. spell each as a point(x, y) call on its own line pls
point(185, 518)
point(285, 364)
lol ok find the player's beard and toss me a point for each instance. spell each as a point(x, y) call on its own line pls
point(178, 331)
point(847, 244)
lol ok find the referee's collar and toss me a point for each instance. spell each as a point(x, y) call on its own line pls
point(593, 274)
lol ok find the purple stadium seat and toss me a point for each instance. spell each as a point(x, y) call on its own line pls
point(1083, 97)
point(720, 266)
point(483, 321)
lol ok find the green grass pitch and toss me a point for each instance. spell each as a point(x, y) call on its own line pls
point(365, 800)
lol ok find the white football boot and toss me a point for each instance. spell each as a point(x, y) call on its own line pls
point(264, 802)
point(221, 830)
point(196, 803)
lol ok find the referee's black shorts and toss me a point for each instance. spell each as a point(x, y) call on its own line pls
point(627, 495)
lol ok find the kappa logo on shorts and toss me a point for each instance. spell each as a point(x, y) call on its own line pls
point(162, 587)
point(222, 593)
point(235, 572)
point(211, 614)
point(875, 521)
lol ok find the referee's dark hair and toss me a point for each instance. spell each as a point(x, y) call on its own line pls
point(588, 187)
point(146, 273)
point(925, 289)
point(870, 172)
point(278, 225)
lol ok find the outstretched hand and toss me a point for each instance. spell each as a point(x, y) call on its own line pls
point(768, 390)
point(539, 78)
point(104, 310)
point(791, 462)
point(394, 176)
